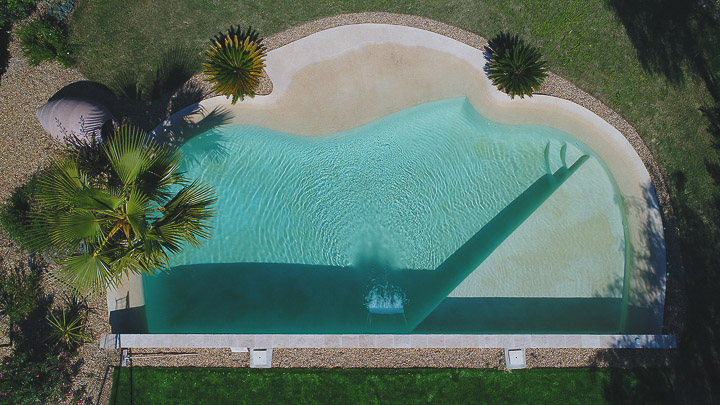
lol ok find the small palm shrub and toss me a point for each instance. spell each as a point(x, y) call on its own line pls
point(126, 221)
point(235, 63)
point(67, 330)
point(515, 67)
point(44, 40)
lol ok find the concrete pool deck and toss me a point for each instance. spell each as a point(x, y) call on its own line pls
point(358, 73)
point(186, 341)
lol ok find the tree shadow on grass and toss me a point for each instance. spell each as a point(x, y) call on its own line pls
point(672, 35)
point(675, 38)
point(640, 386)
point(697, 369)
point(176, 67)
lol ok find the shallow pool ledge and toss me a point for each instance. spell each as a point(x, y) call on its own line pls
point(135, 341)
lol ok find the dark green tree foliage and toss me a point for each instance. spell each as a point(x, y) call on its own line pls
point(515, 67)
point(44, 40)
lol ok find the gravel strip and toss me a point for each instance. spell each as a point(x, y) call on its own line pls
point(404, 358)
point(26, 148)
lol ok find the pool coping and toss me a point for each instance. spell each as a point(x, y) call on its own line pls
point(551, 86)
point(412, 341)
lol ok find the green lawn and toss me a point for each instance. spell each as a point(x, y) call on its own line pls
point(141, 385)
point(656, 62)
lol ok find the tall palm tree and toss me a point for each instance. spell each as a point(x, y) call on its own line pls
point(126, 221)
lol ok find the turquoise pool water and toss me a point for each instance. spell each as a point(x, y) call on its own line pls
point(432, 220)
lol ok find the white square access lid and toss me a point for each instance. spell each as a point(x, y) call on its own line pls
point(260, 358)
point(515, 358)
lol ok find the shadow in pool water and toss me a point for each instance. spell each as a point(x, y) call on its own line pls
point(282, 298)
point(296, 298)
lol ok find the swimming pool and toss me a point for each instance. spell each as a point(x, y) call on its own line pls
point(430, 220)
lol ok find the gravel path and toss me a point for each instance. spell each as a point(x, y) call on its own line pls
point(25, 148)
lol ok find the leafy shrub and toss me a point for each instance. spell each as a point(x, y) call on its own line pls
point(235, 63)
point(19, 294)
point(15, 214)
point(14, 10)
point(515, 67)
point(43, 40)
point(43, 378)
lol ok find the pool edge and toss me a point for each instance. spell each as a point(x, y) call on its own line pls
point(649, 215)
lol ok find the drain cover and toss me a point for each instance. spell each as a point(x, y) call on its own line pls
point(260, 358)
point(515, 358)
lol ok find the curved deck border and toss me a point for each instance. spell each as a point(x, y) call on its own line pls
point(554, 86)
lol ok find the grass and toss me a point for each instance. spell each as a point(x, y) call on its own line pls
point(387, 386)
point(655, 62)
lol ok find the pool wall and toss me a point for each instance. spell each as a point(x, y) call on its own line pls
point(347, 76)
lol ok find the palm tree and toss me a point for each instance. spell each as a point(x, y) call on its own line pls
point(126, 221)
point(235, 63)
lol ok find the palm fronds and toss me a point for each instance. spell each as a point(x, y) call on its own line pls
point(515, 67)
point(67, 330)
point(235, 63)
point(126, 222)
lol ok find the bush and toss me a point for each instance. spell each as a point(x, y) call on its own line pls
point(19, 294)
point(43, 40)
point(14, 10)
point(515, 67)
point(67, 329)
point(43, 378)
point(235, 63)
point(15, 214)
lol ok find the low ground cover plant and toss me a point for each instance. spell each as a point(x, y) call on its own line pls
point(58, 10)
point(45, 40)
point(41, 378)
point(38, 370)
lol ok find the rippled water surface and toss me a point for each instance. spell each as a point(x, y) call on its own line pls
point(372, 229)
